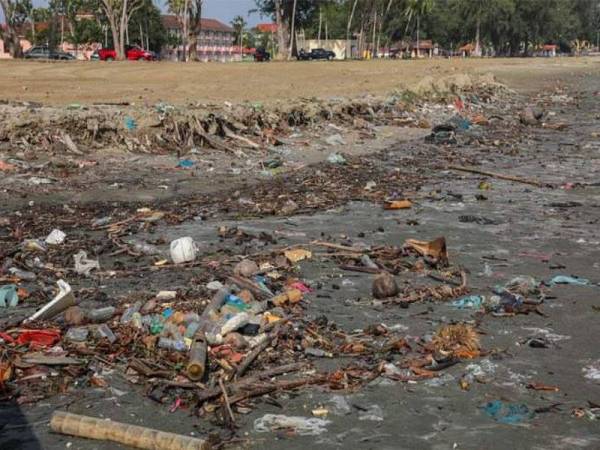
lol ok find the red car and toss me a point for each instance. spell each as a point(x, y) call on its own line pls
point(133, 53)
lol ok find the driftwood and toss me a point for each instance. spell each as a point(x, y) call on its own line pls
point(343, 248)
point(258, 390)
point(131, 435)
point(497, 175)
point(250, 357)
point(207, 394)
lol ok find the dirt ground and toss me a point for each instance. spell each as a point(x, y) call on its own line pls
point(533, 385)
point(61, 83)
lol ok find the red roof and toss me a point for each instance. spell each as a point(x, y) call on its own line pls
point(267, 27)
point(550, 47)
point(171, 22)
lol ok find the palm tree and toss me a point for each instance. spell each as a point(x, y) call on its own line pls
point(238, 23)
point(418, 8)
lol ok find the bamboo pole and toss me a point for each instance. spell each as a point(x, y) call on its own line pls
point(132, 435)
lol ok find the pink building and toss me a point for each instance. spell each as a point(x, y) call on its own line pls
point(215, 42)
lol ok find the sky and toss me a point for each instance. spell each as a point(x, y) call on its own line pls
point(223, 10)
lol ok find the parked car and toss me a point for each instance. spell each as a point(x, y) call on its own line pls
point(95, 56)
point(316, 53)
point(261, 55)
point(132, 53)
point(44, 52)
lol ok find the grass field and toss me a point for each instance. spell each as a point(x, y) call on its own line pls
point(59, 83)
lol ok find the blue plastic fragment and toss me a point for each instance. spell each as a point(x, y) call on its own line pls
point(508, 413)
point(8, 296)
point(469, 302)
point(566, 279)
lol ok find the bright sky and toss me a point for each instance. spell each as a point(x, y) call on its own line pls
point(223, 10)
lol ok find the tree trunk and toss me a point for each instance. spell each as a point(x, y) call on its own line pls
point(348, 44)
point(374, 52)
point(418, 40)
point(320, 24)
point(282, 50)
point(477, 37)
point(293, 31)
point(194, 30)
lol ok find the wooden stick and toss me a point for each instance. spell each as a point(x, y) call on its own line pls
point(496, 175)
point(132, 435)
point(241, 370)
point(281, 385)
point(207, 394)
point(226, 401)
point(343, 248)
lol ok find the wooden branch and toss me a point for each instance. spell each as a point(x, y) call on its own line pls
point(497, 175)
point(207, 394)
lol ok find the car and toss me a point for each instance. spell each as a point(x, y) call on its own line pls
point(95, 56)
point(261, 55)
point(44, 52)
point(132, 53)
point(316, 54)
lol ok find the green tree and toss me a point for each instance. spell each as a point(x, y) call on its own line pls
point(239, 24)
point(417, 9)
point(15, 15)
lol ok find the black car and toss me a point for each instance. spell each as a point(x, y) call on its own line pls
point(44, 52)
point(261, 55)
point(316, 53)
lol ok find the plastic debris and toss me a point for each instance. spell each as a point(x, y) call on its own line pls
point(297, 255)
point(83, 265)
point(469, 302)
point(336, 158)
point(185, 163)
point(9, 297)
point(508, 413)
point(56, 237)
point(183, 250)
point(300, 425)
point(62, 301)
point(566, 279)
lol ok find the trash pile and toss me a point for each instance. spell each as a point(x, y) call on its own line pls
point(241, 336)
point(230, 128)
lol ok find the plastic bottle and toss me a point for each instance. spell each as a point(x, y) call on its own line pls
point(136, 320)
point(197, 359)
point(192, 329)
point(128, 313)
point(234, 323)
point(311, 351)
point(100, 314)
point(172, 344)
point(156, 325)
point(77, 334)
point(105, 332)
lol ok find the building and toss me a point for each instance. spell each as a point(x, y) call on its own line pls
point(215, 42)
point(549, 50)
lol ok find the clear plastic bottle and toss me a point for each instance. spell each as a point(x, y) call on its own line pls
point(129, 312)
point(172, 344)
point(77, 334)
point(100, 314)
point(192, 329)
point(105, 332)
